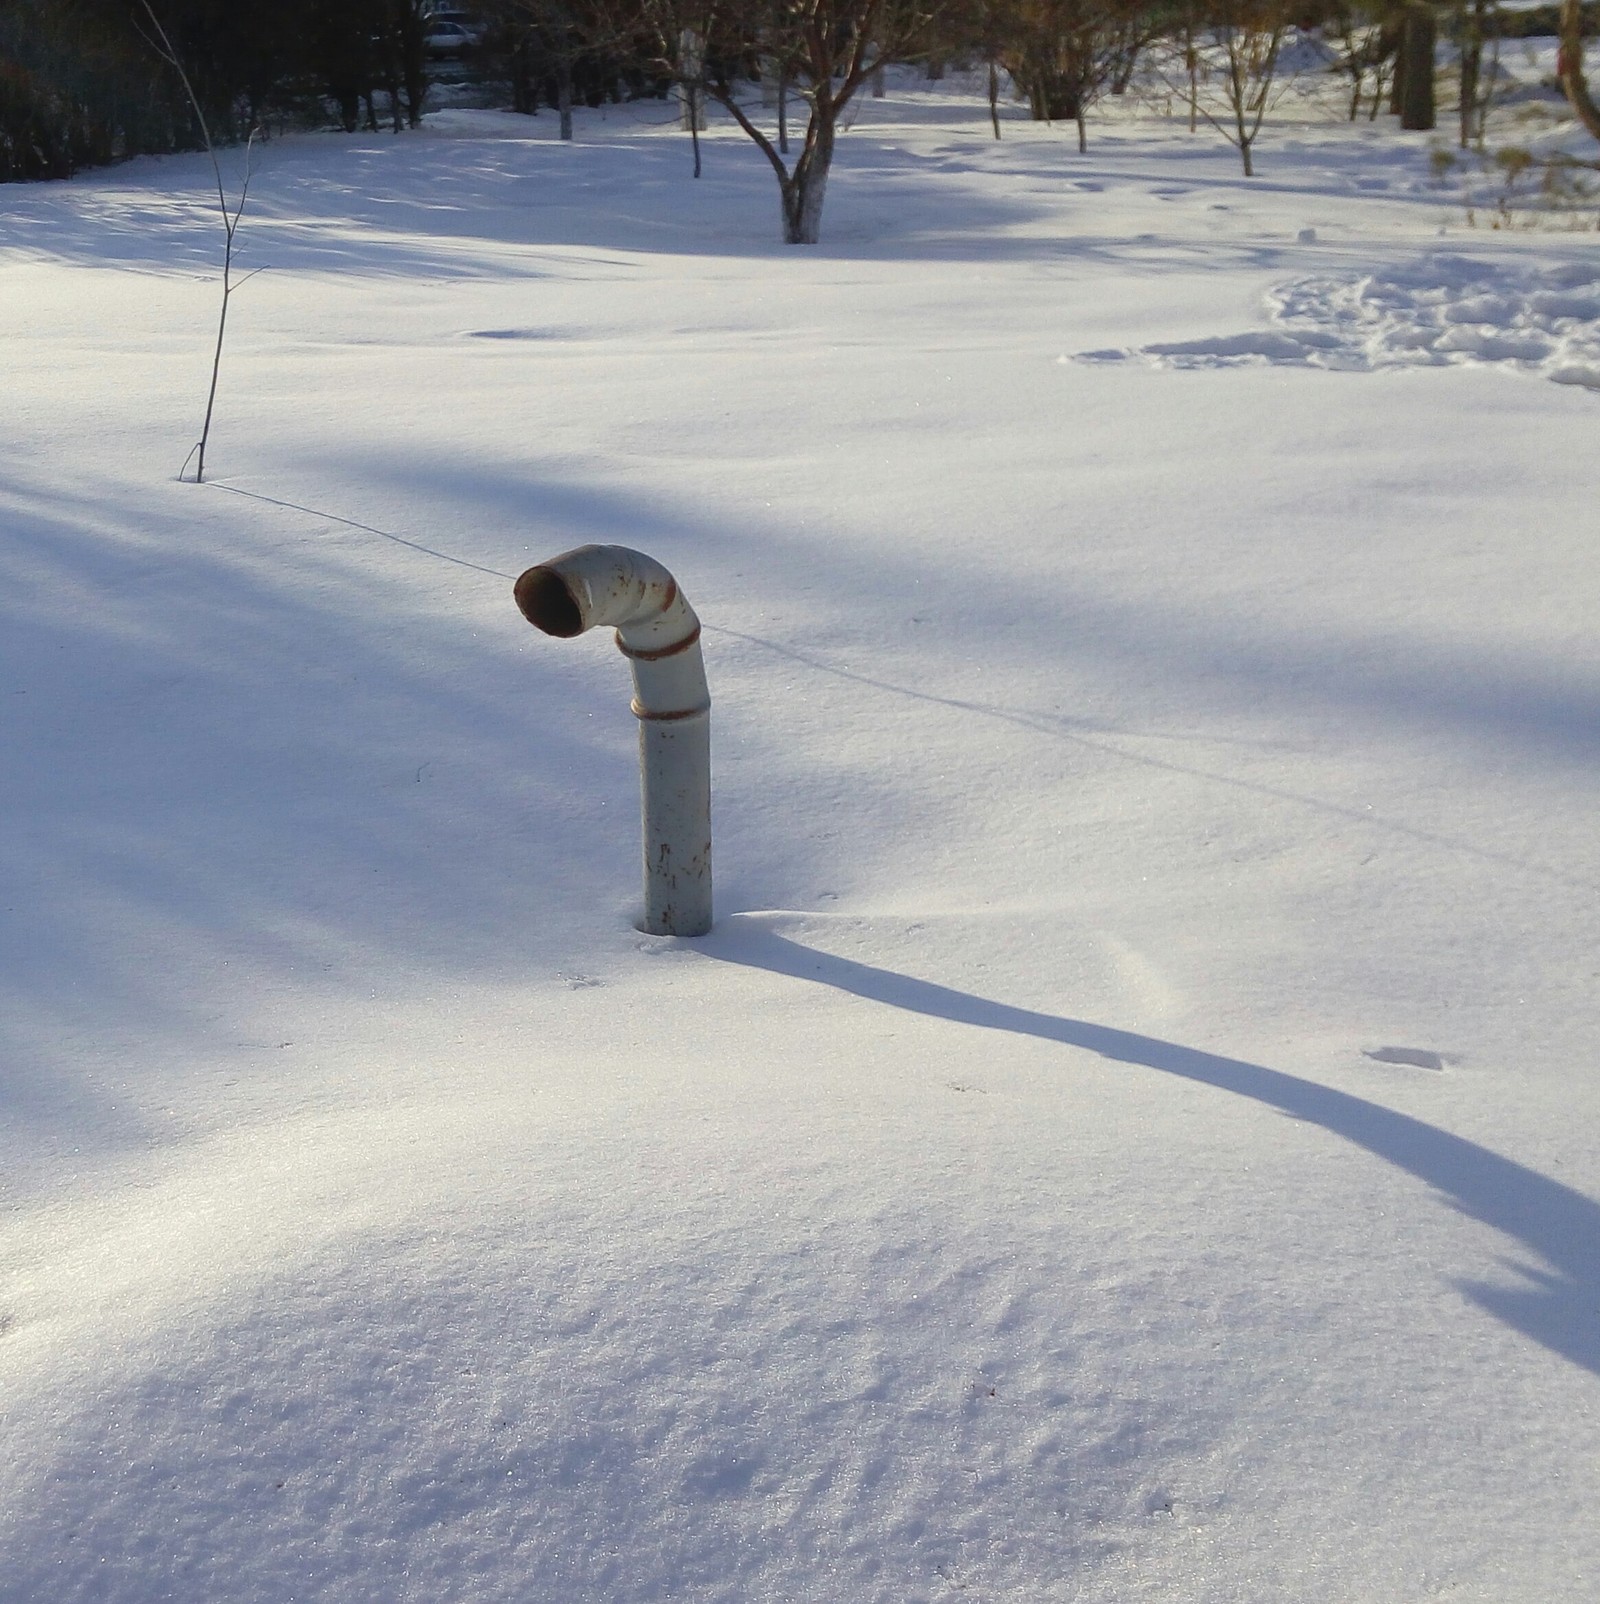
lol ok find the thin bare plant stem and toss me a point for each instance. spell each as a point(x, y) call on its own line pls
point(163, 47)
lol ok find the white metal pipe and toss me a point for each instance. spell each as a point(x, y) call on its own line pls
point(658, 633)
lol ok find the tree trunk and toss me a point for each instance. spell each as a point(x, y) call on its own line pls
point(1469, 22)
point(803, 190)
point(564, 96)
point(691, 108)
point(392, 84)
point(691, 69)
point(1053, 97)
point(1569, 68)
point(1414, 74)
point(524, 87)
point(413, 63)
point(1239, 99)
point(1355, 63)
point(994, 96)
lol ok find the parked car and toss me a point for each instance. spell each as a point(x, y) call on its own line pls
point(474, 26)
point(447, 39)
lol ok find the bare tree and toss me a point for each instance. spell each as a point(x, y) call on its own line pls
point(670, 40)
point(408, 55)
point(1241, 43)
point(969, 31)
point(1364, 44)
point(561, 40)
point(692, 87)
point(1065, 54)
point(1477, 26)
point(826, 49)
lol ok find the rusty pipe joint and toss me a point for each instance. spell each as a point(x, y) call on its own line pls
point(658, 633)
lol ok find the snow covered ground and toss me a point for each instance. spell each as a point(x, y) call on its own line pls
point(1130, 1135)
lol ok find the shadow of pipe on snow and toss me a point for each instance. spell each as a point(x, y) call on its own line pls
point(1557, 1306)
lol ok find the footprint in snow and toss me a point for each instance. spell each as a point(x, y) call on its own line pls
point(1411, 1057)
point(1445, 311)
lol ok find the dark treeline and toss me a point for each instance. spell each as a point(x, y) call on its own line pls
point(84, 82)
point(77, 88)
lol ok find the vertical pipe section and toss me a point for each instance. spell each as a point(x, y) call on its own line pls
point(658, 633)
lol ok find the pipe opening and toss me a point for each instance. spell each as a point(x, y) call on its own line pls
point(547, 603)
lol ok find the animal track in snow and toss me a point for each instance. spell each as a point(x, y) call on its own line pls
point(1445, 311)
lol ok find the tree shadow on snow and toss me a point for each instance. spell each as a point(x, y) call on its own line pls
point(1558, 1305)
point(1547, 707)
point(511, 204)
point(238, 755)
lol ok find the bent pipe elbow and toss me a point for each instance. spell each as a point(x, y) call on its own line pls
point(657, 630)
point(659, 634)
